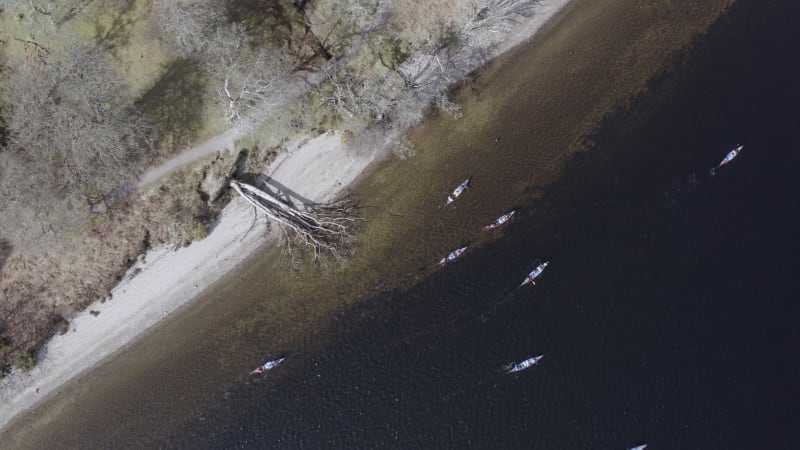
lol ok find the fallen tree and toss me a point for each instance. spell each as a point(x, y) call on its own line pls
point(327, 229)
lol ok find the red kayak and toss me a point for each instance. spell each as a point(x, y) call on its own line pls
point(453, 255)
point(500, 221)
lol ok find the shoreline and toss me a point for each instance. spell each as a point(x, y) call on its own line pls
point(166, 279)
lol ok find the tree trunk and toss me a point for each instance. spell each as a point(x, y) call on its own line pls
point(327, 229)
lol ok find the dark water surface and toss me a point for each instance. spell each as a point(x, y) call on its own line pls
point(668, 314)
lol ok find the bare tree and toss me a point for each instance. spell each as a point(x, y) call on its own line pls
point(488, 22)
point(355, 96)
point(397, 98)
point(325, 229)
point(76, 114)
point(426, 72)
point(448, 56)
point(336, 22)
point(250, 83)
point(190, 23)
point(73, 136)
point(424, 78)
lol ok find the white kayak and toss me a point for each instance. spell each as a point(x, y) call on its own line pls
point(267, 366)
point(500, 221)
point(453, 255)
point(535, 273)
point(530, 362)
point(458, 191)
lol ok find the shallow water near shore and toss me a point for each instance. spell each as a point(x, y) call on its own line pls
point(667, 314)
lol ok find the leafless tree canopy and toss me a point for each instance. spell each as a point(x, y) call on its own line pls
point(353, 95)
point(488, 22)
point(422, 78)
point(337, 22)
point(248, 81)
point(73, 135)
point(190, 23)
point(74, 114)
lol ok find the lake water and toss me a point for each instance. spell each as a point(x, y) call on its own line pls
point(668, 314)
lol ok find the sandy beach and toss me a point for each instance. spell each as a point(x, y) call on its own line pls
point(315, 167)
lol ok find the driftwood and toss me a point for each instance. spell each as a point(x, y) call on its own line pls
point(326, 228)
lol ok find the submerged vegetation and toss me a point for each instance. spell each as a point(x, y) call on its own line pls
point(94, 92)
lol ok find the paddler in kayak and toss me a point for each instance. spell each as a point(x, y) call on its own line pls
point(728, 158)
point(458, 191)
point(535, 273)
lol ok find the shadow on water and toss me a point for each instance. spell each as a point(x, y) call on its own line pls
point(667, 314)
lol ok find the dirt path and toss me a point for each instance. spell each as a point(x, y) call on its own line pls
point(224, 141)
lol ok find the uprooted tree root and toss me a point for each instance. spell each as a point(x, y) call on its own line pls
point(325, 229)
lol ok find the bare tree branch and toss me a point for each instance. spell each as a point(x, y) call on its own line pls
point(338, 21)
point(73, 135)
point(249, 81)
point(190, 23)
point(487, 22)
point(325, 229)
